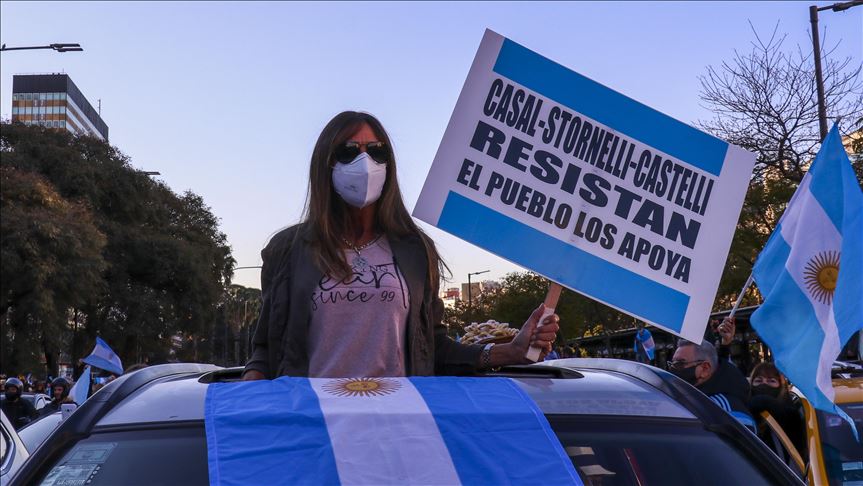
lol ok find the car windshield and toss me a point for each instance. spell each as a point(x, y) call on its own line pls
point(648, 452)
point(605, 451)
point(34, 433)
point(843, 455)
point(166, 456)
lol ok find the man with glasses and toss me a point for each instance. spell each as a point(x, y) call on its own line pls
point(720, 380)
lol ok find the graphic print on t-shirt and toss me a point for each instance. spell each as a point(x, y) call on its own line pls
point(378, 282)
point(359, 322)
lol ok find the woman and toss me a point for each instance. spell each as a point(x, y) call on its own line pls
point(770, 392)
point(766, 380)
point(352, 291)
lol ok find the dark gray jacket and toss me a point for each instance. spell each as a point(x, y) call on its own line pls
point(288, 278)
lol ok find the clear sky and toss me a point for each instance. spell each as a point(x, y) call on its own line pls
point(227, 99)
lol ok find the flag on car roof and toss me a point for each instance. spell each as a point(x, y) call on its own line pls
point(811, 275)
point(81, 389)
point(105, 358)
point(418, 430)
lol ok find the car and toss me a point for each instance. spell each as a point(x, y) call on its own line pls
point(833, 457)
point(39, 400)
point(621, 422)
point(13, 453)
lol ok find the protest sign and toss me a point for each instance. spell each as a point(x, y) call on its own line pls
point(587, 187)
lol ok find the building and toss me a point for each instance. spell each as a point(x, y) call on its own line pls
point(491, 286)
point(450, 296)
point(451, 293)
point(472, 293)
point(54, 101)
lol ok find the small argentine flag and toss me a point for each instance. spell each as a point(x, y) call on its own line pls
point(105, 358)
point(646, 340)
point(378, 431)
point(811, 275)
point(81, 390)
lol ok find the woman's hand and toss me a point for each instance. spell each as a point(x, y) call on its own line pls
point(253, 375)
point(530, 335)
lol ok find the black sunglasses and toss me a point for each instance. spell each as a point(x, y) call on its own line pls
point(349, 151)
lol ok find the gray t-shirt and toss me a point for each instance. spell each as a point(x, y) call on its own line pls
point(358, 323)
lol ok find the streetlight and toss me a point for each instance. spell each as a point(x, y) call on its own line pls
point(469, 302)
point(816, 48)
point(57, 47)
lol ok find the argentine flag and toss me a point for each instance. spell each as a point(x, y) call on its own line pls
point(81, 389)
point(811, 275)
point(378, 431)
point(105, 358)
point(644, 338)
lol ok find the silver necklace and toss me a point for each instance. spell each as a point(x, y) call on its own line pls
point(359, 263)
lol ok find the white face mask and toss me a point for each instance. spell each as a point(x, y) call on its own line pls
point(360, 181)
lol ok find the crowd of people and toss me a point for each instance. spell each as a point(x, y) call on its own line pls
point(21, 410)
point(709, 368)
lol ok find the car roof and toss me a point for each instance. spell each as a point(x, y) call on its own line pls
point(592, 392)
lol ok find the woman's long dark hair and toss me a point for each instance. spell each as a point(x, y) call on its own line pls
point(327, 216)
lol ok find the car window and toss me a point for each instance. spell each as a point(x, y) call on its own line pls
point(168, 456)
point(644, 452)
point(843, 455)
point(5, 445)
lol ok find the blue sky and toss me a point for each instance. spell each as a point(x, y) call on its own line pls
point(227, 99)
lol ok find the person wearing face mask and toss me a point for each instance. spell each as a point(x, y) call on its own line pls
point(770, 392)
point(720, 380)
point(19, 411)
point(352, 290)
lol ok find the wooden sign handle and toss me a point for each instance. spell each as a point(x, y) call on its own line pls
point(551, 299)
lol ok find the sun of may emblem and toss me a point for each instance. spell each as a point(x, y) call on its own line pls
point(820, 276)
point(361, 387)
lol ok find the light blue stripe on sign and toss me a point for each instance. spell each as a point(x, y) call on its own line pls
point(610, 108)
point(494, 432)
point(259, 443)
point(563, 262)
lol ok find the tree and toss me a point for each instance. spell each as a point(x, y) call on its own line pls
point(166, 263)
point(856, 146)
point(51, 261)
point(519, 295)
point(765, 101)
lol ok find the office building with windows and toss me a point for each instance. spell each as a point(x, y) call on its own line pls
point(53, 100)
